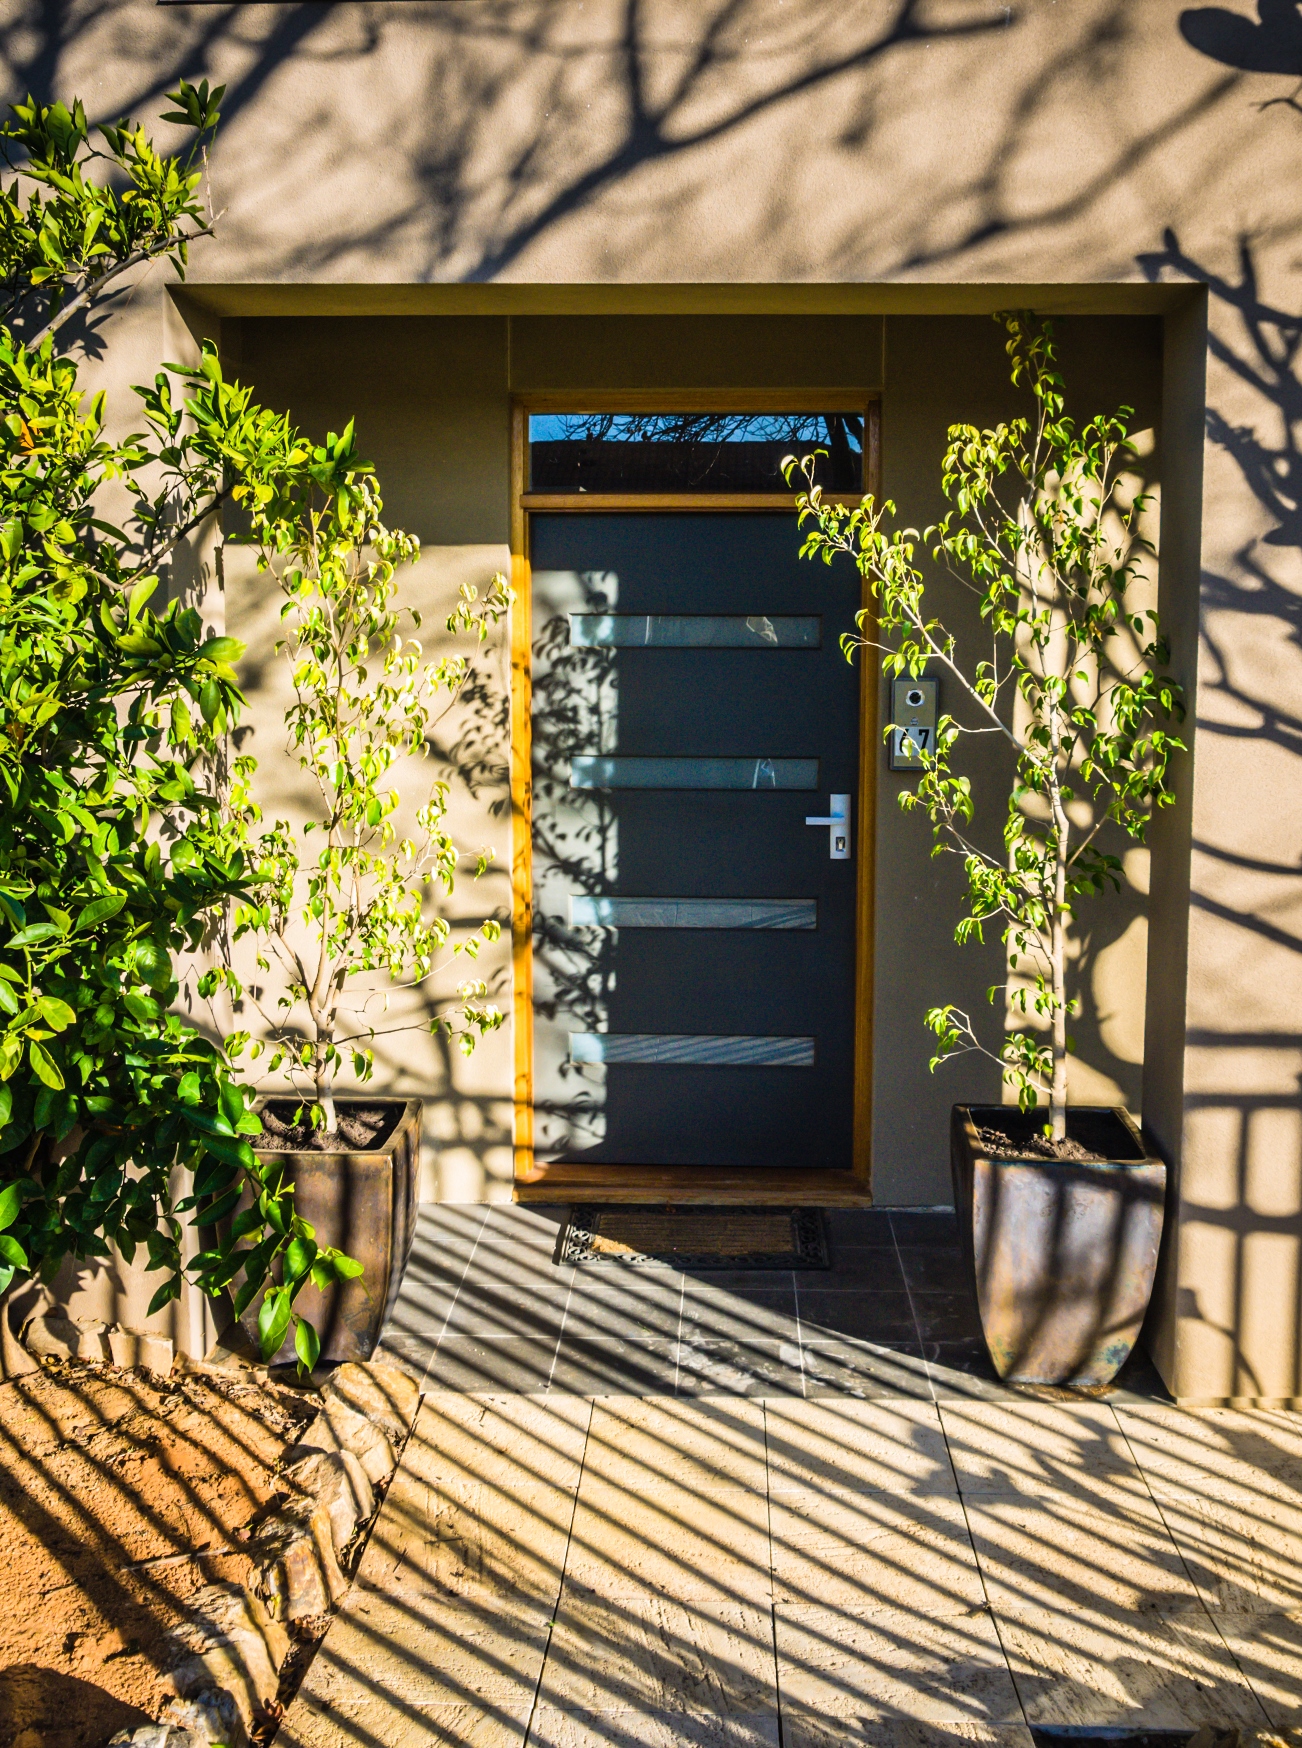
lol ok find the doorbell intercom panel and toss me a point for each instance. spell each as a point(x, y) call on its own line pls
point(914, 704)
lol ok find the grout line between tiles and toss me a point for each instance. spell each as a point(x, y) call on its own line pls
point(556, 1354)
point(976, 1558)
point(917, 1327)
point(678, 1344)
point(447, 1315)
point(804, 1387)
point(773, 1578)
point(1193, 1584)
point(560, 1587)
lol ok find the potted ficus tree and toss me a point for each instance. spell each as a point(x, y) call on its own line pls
point(341, 901)
point(1060, 1206)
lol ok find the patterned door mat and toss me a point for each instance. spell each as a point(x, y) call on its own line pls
point(696, 1238)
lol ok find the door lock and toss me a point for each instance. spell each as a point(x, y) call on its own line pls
point(838, 823)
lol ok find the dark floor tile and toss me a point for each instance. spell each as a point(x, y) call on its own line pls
point(924, 1226)
point(962, 1370)
point(532, 1217)
point(516, 1365)
point(1139, 1381)
point(411, 1353)
point(484, 1307)
point(740, 1316)
point(869, 1372)
point(421, 1308)
point(870, 1268)
point(934, 1268)
point(623, 1310)
point(827, 1316)
point(750, 1280)
point(615, 1368)
point(737, 1368)
point(863, 1226)
point(516, 1261)
point(946, 1316)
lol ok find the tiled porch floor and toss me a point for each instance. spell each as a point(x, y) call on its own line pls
point(592, 1539)
point(483, 1308)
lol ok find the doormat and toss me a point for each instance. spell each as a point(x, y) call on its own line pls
point(696, 1238)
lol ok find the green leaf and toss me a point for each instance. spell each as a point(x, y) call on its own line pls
point(307, 1344)
point(139, 595)
point(273, 1321)
point(230, 1149)
point(12, 1251)
point(29, 936)
point(249, 1221)
point(347, 1268)
point(57, 1015)
point(154, 963)
point(44, 1066)
point(166, 1293)
point(11, 1200)
point(99, 910)
point(299, 1256)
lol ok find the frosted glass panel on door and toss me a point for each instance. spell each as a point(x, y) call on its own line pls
point(692, 913)
point(618, 773)
point(682, 1050)
point(693, 631)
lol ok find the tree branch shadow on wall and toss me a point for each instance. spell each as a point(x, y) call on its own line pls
point(1261, 345)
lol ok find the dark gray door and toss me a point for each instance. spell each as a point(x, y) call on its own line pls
point(694, 938)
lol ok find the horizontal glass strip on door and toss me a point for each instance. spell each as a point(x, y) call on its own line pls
point(692, 913)
point(632, 773)
point(688, 1050)
point(692, 631)
point(691, 452)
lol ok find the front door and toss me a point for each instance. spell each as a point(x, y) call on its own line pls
point(694, 936)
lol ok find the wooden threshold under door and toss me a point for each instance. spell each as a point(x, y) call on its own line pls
point(682, 1185)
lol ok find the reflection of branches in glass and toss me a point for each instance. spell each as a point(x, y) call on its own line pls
point(574, 831)
point(690, 451)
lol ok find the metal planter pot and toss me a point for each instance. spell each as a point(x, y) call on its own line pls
point(363, 1203)
point(1062, 1255)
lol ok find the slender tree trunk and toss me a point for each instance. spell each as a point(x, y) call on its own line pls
point(325, 1096)
point(1058, 1096)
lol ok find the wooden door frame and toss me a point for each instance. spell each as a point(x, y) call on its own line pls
point(677, 1184)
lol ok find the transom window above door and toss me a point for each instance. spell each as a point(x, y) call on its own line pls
point(688, 452)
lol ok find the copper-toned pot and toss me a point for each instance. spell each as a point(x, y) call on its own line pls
point(363, 1203)
point(1062, 1255)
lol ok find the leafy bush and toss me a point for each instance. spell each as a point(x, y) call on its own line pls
point(1045, 533)
point(117, 1118)
point(341, 902)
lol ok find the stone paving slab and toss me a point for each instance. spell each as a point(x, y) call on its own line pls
point(643, 1510)
point(890, 1663)
point(572, 1570)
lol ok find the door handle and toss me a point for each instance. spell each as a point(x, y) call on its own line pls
point(838, 824)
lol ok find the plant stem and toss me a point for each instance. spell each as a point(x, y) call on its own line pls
point(1058, 1096)
point(325, 1097)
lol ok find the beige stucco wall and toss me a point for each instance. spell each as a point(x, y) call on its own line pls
point(432, 397)
point(877, 156)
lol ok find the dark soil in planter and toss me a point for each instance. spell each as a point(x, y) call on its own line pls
point(1093, 1138)
point(362, 1128)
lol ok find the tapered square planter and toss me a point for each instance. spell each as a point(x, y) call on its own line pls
point(362, 1202)
point(1062, 1254)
